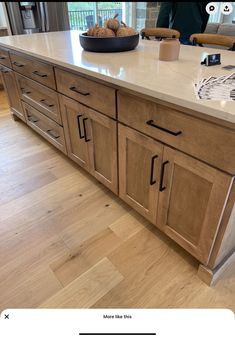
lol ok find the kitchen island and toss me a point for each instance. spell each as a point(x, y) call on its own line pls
point(135, 124)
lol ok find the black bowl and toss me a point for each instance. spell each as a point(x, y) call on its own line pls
point(108, 44)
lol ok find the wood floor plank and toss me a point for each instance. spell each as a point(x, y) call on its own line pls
point(39, 222)
point(85, 256)
point(52, 208)
point(86, 289)
point(34, 197)
point(14, 191)
point(128, 225)
point(17, 278)
point(92, 218)
point(30, 292)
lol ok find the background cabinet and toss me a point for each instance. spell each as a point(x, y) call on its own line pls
point(9, 83)
point(91, 141)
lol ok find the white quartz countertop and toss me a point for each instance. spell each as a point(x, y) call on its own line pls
point(139, 70)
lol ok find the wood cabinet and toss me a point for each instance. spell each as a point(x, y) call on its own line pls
point(10, 86)
point(95, 95)
point(170, 164)
point(73, 114)
point(103, 149)
point(191, 202)
point(4, 57)
point(46, 127)
point(179, 194)
point(91, 140)
point(201, 139)
point(34, 69)
point(40, 97)
point(140, 160)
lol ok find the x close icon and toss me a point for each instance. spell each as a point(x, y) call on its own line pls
point(6, 316)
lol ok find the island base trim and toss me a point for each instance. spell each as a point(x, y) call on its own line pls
point(15, 117)
point(211, 276)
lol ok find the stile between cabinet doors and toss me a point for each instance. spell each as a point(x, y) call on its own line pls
point(140, 160)
point(191, 205)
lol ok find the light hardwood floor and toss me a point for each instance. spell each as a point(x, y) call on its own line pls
point(68, 242)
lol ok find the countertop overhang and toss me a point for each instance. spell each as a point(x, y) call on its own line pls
point(139, 70)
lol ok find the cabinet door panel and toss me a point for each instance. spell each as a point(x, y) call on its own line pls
point(102, 133)
point(190, 207)
point(139, 171)
point(72, 115)
point(9, 83)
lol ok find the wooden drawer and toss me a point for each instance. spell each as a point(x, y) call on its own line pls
point(206, 141)
point(93, 94)
point(38, 71)
point(47, 128)
point(4, 57)
point(44, 99)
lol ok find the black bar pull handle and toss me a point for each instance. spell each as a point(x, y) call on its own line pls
point(24, 91)
point(46, 104)
point(79, 127)
point(2, 57)
point(19, 65)
point(35, 72)
point(151, 123)
point(30, 118)
point(84, 126)
point(79, 92)
point(51, 134)
point(152, 182)
point(161, 187)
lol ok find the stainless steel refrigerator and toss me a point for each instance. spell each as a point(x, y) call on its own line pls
point(35, 17)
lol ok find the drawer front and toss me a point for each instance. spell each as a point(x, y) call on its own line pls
point(47, 128)
point(38, 71)
point(4, 57)
point(204, 140)
point(40, 97)
point(95, 95)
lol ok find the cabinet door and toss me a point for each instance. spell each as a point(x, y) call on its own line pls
point(73, 115)
point(101, 133)
point(191, 202)
point(9, 83)
point(139, 171)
